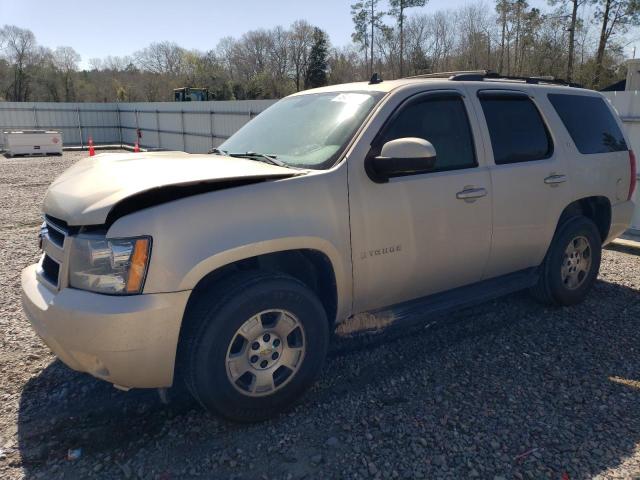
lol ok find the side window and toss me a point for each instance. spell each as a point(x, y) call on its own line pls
point(517, 131)
point(589, 122)
point(441, 120)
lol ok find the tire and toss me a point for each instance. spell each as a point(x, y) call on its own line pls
point(566, 279)
point(263, 305)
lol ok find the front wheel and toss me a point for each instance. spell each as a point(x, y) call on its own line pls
point(571, 265)
point(259, 343)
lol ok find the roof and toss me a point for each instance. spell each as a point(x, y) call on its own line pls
point(385, 86)
point(445, 79)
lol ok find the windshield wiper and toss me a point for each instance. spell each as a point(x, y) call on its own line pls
point(261, 157)
point(217, 151)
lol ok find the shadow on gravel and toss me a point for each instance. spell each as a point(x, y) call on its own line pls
point(630, 248)
point(507, 388)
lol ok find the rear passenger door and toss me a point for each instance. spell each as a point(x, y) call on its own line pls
point(529, 177)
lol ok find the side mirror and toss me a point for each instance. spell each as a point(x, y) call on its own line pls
point(400, 157)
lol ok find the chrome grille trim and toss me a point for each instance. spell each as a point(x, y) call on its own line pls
point(55, 244)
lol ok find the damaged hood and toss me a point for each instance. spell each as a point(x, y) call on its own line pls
point(87, 192)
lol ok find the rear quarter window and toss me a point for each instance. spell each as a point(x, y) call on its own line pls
point(590, 123)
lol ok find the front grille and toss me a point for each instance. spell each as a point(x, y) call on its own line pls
point(61, 224)
point(56, 230)
point(50, 270)
point(53, 234)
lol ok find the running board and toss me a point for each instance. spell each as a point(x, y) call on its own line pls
point(419, 310)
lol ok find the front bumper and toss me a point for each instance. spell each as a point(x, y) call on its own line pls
point(130, 341)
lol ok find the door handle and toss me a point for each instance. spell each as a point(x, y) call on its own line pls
point(471, 193)
point(555, 179)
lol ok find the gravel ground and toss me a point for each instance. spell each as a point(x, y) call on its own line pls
point(504, 390)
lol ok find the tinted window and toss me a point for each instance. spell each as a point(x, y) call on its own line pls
point(589, 122)
point(517, 131)
point(442, 121)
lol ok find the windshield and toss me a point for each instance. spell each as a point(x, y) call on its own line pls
point(307, 131)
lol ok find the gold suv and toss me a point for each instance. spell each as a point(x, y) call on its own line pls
point(229, 271)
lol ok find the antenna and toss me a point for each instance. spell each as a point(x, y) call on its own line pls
point(375, 79)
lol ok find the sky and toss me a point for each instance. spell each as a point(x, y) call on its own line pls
point(116, 27)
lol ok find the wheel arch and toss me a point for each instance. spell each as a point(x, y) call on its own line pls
point(318, 268)
point(312, 267)
point(595, 208)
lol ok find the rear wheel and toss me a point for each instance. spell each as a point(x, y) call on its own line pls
point(571, 265)
point(257, 342)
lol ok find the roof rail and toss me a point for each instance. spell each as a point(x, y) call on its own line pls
point(481, 75)
point(449, 75)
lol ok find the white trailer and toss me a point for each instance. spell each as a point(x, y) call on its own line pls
point(33, 142)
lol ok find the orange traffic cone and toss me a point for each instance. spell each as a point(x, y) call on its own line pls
point(92, 151)
point(136, 147)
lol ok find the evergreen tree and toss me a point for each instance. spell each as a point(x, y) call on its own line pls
point(397, 10)
point(317, 71)
point(366, 19)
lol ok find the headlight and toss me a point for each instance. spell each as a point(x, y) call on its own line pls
point(113, 266)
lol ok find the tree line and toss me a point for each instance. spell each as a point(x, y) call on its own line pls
point(579, 40)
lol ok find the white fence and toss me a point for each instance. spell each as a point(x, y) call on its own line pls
point(628, 106)
point(194, 127)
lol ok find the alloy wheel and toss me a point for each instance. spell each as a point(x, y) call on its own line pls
point(576, 263)
point(265, 352)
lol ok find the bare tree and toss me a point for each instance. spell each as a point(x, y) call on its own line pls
point(417, 39)
point(503, 7)
point(474, 26)
point(344, 65)
point(255, 47)
point(225, 52)
point(117, 64)
point(161, 57)
point(573, 23)
point(584, 42)
point(615, 16)
point(19, 47)
point(96, 64)
point(445, 31)
point(280, 61)
point(301, 40)
point(66, 60)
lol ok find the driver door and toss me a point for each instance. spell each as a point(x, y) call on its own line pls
point(423, 233)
